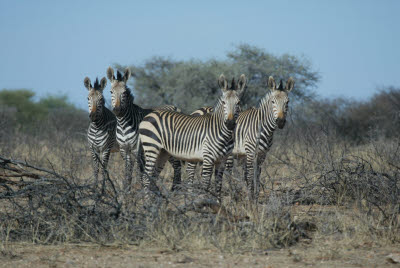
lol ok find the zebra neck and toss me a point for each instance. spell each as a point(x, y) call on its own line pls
point(132, 110)
point(100, 119)
point(217, 118)
point(268, 124)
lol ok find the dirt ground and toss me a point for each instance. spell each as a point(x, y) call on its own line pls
point(29, 255)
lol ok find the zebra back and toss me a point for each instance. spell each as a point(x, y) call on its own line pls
point(202, 111)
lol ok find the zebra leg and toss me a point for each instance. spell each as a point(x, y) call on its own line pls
point(140, 159)
point(260, 161)
point(126, 155)
point(176, 164)
point(95, 163)
point(249, 174)
point(104, 163)
point(229, 164)
point(159, 166)
point(191, 170)
point(150, 170)
point(219, 172)
point(206, 173)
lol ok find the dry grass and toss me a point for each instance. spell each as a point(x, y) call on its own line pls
point(321, 200)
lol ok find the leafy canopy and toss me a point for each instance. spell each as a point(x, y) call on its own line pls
point(192, 84)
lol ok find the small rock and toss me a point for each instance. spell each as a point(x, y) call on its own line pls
point(185, 259)
point(393, 258)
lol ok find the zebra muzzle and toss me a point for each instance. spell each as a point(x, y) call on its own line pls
point(280, 122)
point(117, 111)
point(92, 116)
point(230, 124)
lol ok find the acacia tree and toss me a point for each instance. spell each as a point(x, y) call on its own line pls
point(192, 84)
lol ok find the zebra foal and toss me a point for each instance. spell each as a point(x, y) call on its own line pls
point(102, 127)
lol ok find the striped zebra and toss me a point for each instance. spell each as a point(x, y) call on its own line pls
point(102, 127)
point(129, 115)
point(255, 128)
point(206, 138)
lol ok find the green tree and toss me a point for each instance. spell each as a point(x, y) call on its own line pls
point(21, 111)
point(192, 84)
point(26, 110)
point(56, 102)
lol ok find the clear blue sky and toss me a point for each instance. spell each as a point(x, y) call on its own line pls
point(50, 46)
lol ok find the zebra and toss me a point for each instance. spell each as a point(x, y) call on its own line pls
point(101, 132)
point(255, 128)
point(129, 115)
point(254, 132)
point(206, 138)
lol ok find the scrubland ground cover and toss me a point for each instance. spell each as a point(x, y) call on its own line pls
point(323, 201)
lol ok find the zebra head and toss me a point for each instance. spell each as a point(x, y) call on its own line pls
point(230, 99)
point(95, 97)
point(120, 93)
point(279, 100)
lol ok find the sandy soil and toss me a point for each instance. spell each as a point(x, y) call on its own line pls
point(29, 255)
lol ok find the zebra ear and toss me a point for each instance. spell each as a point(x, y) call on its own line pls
point(110, 74)
point(127, 74)
point(223, 84)
point(103, 83)
point(87, 84)
point(271, 83)
point(289, 84)
point(241, 85)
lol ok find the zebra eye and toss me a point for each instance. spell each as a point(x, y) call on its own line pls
point(223, 102)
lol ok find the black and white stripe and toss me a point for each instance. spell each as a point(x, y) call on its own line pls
point(129, 115)
point(101, 132)
point(206, 138)
point(191, 167)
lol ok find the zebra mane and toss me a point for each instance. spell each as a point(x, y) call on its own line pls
point(96, 84)
point(217, 104)
point(233, 84)
point(129, 92)
point(119, 76)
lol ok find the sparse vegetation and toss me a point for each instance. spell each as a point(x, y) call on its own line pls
point(320, 187)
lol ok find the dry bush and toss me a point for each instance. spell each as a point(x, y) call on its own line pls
point(49, 196)
point(355, 190)
point(319, 188)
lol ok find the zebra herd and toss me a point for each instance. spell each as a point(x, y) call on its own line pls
point(212, 136)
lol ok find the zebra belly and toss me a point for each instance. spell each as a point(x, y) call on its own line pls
point(238, 149)
point(196, 156)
